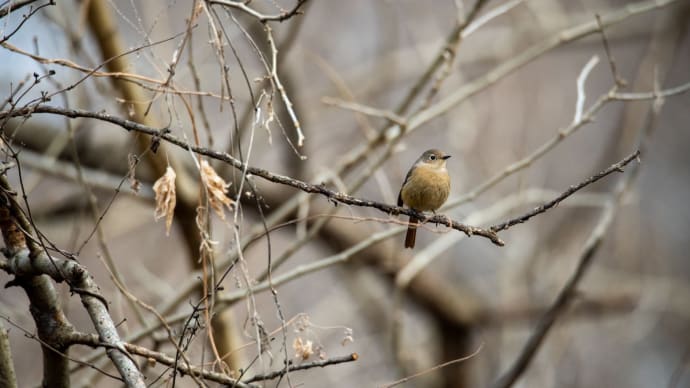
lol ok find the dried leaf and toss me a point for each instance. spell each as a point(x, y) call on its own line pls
point(164, 188)
point(216, 187)
point(303, 350)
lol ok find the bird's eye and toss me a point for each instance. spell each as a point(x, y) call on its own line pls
point(432, 157)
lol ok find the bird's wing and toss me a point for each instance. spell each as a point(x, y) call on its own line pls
point(407, 178)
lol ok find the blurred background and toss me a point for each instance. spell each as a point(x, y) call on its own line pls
point(218, 77)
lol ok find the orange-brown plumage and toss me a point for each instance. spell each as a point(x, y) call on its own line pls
point(426, 188)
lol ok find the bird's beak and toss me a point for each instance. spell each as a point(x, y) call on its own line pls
point(444, 157)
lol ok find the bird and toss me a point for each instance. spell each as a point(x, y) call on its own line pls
point(426, 188)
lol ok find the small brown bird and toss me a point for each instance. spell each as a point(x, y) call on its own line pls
point(426, 187)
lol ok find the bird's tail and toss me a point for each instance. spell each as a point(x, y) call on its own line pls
point(411, 233)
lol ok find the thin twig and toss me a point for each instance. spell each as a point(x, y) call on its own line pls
point(24, 18)
point(13, 6)
point(366, 110)
point(94, 178)
point(242, 5)
point(281, 89)
point(434, 368)
point(489, 16)
point(569, 290)
point(93, 341)
point(536, 154)
point(123, 289)
point(620, 82)
point(565, 36)
point(75, 274)
point(140, 80)
point(579, 105)
point(493, 213)
point(541, 209)
point(33, 336)
point(315, 364)
point(673, 91)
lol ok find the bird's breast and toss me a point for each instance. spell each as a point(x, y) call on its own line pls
point(426, 189)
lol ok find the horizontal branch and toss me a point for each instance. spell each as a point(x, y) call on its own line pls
point(334, 196)
point(315, 364)
point(585, 307)
point(95, 178)
point(92, 340)
point(680, 89)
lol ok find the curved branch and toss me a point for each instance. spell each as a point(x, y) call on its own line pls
point(76, 275)
point(242, 5)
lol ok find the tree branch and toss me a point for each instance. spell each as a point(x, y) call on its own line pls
point(8, 378)
point(13, 6)
point(44, 307)
point(541, 209)
point(314, 364)
point(566, 294)
point(334, 196)
point(28, 269)
point(242, 5)
point(499, 72)
point(93, 341)
point(82, 283)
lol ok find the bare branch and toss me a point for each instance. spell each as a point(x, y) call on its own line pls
point(44, 307)
point(14, 6)
point(367, 110)
point(93, 177)
point(541, 209)
point(32, 11)
point(676, 90)
point(568, 35)
point(489, 16)
point(82, 282)
point(242, 5)
point(591, 247)
point(315, 364)
point(93, 341)
point(566, 294)
point(281, 89)
point(65, 339)
point(620, 82)
point(7, 376)
point(28, 269)
point(437, 367)
point(579, 105)
point(334, 196)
